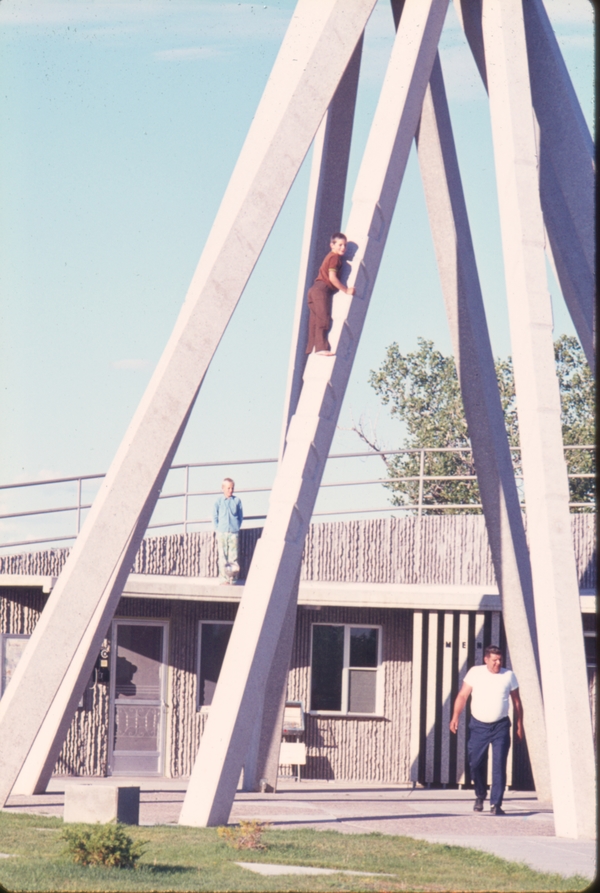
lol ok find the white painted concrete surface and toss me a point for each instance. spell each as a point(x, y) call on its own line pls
point(562, 658)
point(418, 596)
point(92, 803)
point(271, 870)
point(324, 207)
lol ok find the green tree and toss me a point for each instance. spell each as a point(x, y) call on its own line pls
point(578, 404)
point(422, 390)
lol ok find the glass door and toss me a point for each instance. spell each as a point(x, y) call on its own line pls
point(137, 708)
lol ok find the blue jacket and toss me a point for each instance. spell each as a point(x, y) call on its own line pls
point(228, 514)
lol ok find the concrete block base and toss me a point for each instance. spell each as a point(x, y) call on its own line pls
point(91, 803)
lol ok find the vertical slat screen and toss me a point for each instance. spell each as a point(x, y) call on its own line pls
point(447, 652)
point(479, 623)
point(494, 640)
point(453, 641)
point(417, 658)
point(511, 716)
point(432, 649)
point(461, 735)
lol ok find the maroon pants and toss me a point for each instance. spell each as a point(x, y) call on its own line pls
point(319, 320)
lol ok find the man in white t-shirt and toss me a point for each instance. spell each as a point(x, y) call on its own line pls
point(490, 686)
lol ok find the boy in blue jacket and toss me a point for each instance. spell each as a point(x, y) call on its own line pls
point(227, 518)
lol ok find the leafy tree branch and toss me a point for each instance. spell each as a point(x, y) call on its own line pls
point(422, 390)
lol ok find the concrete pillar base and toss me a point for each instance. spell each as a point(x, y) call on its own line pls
point(93, 803)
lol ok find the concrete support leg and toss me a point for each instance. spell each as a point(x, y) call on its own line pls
point(262, 760)
point(324, 207)
point(38, 766)
point(331, 151)
point(57, 662)
point(566, 159)
point(269, 586)
point(555, 584)
point(483, 409)
point(567, 173)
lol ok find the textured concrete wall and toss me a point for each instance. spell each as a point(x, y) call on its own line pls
point(20, 609)
point(584, 540)
point(48, 562)
point(85, 748)
point(451, 549)
point(346, 747)
point(446, 549)
point(85, 751)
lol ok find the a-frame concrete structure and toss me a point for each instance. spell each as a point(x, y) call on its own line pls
point(544, 167)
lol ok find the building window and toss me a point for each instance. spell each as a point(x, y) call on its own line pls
point(589, 640)
point(346, 669)
point(213, 639)
point(11, 649)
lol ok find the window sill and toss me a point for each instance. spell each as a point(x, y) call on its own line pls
point(337, 714)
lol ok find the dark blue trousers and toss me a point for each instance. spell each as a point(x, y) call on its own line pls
point(481, 735)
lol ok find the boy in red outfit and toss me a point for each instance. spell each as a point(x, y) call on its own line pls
point(320, 295)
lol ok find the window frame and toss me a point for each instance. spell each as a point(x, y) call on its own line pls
point(3, 639)
point(378, 670)
point(204, 708)
point(590, 634)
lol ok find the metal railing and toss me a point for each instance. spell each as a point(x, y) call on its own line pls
point(422, 504)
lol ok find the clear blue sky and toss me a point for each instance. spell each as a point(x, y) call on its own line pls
point(121, 123)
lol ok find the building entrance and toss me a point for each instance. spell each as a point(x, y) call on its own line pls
point(137, 697)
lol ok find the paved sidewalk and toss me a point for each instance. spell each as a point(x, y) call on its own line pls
point(525, 834)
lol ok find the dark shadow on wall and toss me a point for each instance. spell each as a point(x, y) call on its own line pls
point(318, 768)
point(587, 579)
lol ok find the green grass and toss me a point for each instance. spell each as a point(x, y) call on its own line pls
point(196, 859)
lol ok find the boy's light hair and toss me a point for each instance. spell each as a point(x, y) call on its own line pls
point(228, 481)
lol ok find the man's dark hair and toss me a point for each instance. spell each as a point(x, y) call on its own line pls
point(338, 236)
point(492, 649)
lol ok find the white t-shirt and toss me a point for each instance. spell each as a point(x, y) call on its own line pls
point(491, 691)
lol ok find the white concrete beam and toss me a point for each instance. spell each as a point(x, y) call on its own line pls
point(416, 666)
point(262, 759)
point(567, 173)
point(562, 658)
point(314, 593)
point(327, 188)
point(566, 159)
point(324, 207)
point(461, 735)
point(430, 695)
point(269, 586)
point(43, 694)
point(483, 410)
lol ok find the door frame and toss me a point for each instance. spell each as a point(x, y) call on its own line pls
point(138, 621)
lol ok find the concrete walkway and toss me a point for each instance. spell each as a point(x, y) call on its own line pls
point(525, 834)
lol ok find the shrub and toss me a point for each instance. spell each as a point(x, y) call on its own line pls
point(108, 845)
point(245, 836)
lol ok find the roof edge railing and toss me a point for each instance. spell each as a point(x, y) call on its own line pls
point(422, 504)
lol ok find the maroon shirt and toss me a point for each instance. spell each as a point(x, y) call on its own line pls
point(333, 261)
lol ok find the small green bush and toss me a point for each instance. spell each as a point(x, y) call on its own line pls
point(108, 845)
point(245, 836)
